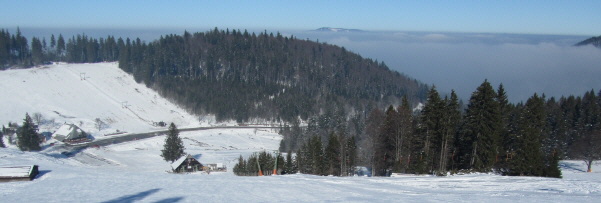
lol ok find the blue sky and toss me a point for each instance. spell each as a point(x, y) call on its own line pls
point(531, 17)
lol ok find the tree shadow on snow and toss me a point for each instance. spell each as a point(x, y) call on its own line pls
point(134, 197)
point(571, 166)
point(171, 200)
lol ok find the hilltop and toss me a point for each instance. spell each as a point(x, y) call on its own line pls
point(595, 41)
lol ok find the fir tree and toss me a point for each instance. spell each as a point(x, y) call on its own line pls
point(290, 166)
point(351, 155)
point(2, 138)
point(552, 169)
point(481, 130)
point(174, 147)
point(332, 155)
point(27, 136)
point(60, 46)
point(528, 159)
point(402, 142)
point(430, 132)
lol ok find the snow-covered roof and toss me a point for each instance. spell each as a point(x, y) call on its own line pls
point(63, 130)
point(67, 132)
point(179, 161)
point(15, 171)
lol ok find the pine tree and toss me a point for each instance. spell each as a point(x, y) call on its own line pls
point(402, 142)
point(332, 155)
point(290, 166)
point(2, 138)
point(27, 136)
point(449, 127)
point(385, 153)
point(174, 147)
point(351, 155)
point(552, 169)
point(60, 46)
point(37, 53)
point(481, 130)
point(52, 42)
point(528, 159)
point(240, 167)
point(430, 132)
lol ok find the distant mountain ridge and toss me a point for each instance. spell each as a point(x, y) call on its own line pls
point(595, 41)
point(329, 29)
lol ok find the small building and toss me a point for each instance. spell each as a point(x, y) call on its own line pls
point(69, 132)
point(186, 164)
point(217, 167)
point(18, 173)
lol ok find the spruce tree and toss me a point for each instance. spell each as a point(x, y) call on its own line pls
point(481, 130)
point(60, 47)
point(553, 169)
point(174, 147)
point(290, 166)
point(27, 136)
point(332, 156)
point(449, 127)
point(528, 159)
point(2, 138)
point(385, 153)
point(402, 141)
point(430, 132)
point(351, 155)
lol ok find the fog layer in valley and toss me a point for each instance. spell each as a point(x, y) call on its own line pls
point(525, 64)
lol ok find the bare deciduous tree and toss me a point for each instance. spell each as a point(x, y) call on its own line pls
point(38, 118)
point(588, 148)
point(99, 124)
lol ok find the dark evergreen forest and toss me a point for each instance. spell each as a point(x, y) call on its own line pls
point(488, 135)
point(232, 74)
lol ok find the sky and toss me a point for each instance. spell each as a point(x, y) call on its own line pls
point(533, 17)
point(455, 45)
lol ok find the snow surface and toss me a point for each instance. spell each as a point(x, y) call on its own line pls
point(135, 172)
point(80, 93)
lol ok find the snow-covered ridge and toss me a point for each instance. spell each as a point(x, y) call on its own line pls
point(81, 93)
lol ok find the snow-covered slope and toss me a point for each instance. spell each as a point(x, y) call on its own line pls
point(134, 172)
point(80, 93)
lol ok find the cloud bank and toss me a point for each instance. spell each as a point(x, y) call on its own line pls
point(525, 64)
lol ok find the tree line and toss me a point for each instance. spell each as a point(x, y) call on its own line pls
point(338, 158)
point(489, 134)
point(16, 50)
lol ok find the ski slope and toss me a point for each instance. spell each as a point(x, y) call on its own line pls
point(80, 93)
point(134, 172)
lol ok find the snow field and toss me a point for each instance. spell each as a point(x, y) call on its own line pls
point(80, 93)
point(135, 172)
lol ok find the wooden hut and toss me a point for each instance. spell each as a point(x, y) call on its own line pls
point(18, 173)
point(186, 164)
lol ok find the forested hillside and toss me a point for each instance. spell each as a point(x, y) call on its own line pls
point(233, 74)
point(239, 75)
point(595, 41)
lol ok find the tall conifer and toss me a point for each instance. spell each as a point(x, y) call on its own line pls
point(481, 129)
point(174, 147)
